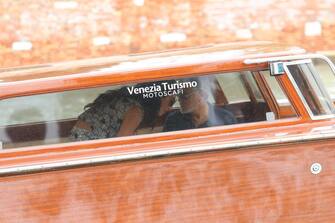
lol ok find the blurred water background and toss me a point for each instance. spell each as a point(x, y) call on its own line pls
point(43, 31)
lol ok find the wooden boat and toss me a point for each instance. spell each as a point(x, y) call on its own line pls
point(276, 164)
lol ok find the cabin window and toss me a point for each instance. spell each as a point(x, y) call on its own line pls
point(327, 75)
point(42, 119)
point(254, 91)
point(244, 98)
point(285, 107)
point(311, 88)
point(277, 91)
point(133, 109)
point(230, 82)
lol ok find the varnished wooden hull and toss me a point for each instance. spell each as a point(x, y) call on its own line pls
point(260, 184)
point(248, 172)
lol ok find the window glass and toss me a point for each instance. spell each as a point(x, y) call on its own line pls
point(126, 110)
point(311, 88)
point(46, 107)
point(250, 81)
point(275, 88)
point(326, 74)
point(230, 82)
point(285, 107)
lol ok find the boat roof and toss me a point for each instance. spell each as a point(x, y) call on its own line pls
point(224, 52)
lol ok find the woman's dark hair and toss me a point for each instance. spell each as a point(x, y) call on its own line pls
point(150, 106)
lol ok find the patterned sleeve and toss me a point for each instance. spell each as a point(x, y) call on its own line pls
point(105, 120)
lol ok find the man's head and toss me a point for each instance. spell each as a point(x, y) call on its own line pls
point(194, 97)
point(166, 105)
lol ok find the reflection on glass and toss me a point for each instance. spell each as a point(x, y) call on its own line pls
point(145, 108)
point(230, 82)
point(312, 89)
point(327, 75)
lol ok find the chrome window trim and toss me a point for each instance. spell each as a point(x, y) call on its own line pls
point(291, 57)
point(302, 98)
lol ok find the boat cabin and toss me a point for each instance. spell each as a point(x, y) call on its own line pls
point(238, 132)
point(260, 84)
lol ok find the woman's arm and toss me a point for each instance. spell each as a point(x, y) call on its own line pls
point(131, 121)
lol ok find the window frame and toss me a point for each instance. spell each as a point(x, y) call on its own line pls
point(179, 134)
point(330, 64)
point(300, 94)
point(283, 108)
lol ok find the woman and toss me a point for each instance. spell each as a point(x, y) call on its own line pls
point(118, 113)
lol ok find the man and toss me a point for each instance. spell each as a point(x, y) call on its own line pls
point(196, 112)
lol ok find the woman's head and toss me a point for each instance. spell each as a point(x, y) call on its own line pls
point(153, 106)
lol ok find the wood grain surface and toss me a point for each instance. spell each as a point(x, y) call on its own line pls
point(271, 184)
point(263, 184)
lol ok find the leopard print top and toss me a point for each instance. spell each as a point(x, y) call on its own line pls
point(105, 120)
